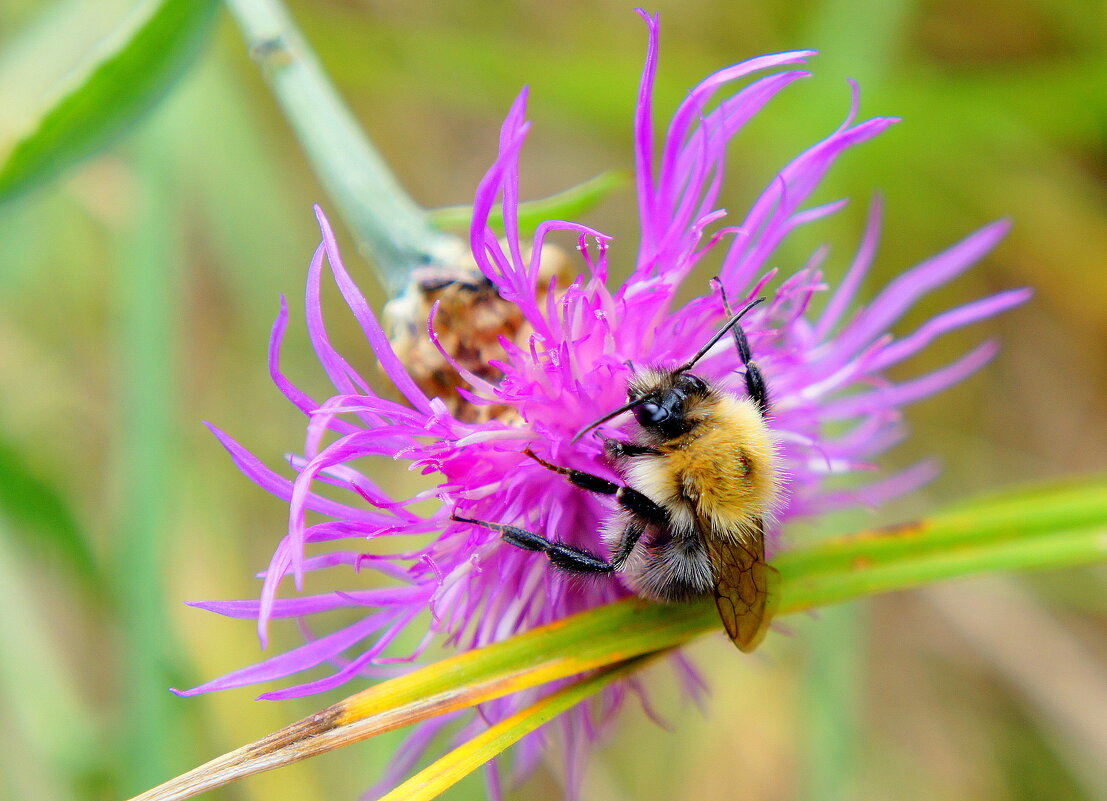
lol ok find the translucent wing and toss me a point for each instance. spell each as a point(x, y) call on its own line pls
point(745, 589)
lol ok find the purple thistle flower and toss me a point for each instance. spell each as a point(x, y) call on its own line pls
point(825, 373)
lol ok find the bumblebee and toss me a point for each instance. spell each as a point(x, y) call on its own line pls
point(701, 478)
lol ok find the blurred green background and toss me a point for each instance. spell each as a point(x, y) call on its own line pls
point(137, 290)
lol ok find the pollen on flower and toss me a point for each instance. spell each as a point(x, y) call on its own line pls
point(488, 363)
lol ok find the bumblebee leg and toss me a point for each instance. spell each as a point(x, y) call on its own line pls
point(566, 557)
point(630, 499)
point(755, 382)
point(617, 449)
point(755, 385)
point(631, 534)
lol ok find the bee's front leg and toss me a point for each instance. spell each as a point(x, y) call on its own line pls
point(618, 449)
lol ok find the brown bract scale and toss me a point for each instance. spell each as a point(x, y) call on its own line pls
point(470, 320)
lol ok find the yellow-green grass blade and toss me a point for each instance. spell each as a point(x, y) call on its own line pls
point(463, 760)
point(1035, 530)
point(120, 82)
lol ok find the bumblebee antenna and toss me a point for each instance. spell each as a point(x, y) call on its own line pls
point(733, 321)
point(626, 407)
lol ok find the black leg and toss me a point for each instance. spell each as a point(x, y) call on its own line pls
point(755, 382)
point(617, 449)
point(631, 534)
point(630, 499)
point(566, 557)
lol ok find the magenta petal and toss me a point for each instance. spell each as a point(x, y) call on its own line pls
point(342, 375)
point(282, 487)
point(948, 321)
point(369, 325)
point(847, 290)
point(899, 295)
point(299, 659)
point(899, 395)
point(314, 604)
point(276, 339)
point(643, 136)
point(346, 673)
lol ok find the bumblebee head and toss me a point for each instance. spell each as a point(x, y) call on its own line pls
point(667, 403)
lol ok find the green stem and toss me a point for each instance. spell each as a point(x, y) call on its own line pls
point(832, 686)
point(146, 297)
point(390, 228)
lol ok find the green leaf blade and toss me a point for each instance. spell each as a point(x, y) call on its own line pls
point(438, 777)
point(573, 203)
point(989, 523)
point(1033, 530)
point(1058, 549)
point(129, 74)
point(43, 517)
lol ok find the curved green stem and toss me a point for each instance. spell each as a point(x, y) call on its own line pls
point(390, 228)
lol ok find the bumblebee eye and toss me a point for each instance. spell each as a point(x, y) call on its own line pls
point(693, 384)
point(650, 414)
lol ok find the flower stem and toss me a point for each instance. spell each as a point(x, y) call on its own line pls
point(391, 230)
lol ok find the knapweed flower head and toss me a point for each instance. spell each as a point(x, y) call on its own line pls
point(833, 410)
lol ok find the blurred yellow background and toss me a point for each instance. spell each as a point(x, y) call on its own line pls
point(137, 291)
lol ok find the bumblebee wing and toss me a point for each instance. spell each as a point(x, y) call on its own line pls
point(746, 588)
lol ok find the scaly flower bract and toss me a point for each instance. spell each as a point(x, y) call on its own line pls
point(825, 373)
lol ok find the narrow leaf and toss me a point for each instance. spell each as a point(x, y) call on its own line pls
point(1035, 530)
point(147, 327)
point(41, 514)
point(463, 760)
point(123, 80)
point(568, 205)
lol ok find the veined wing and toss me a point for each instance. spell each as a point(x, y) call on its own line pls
point(746, 588)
